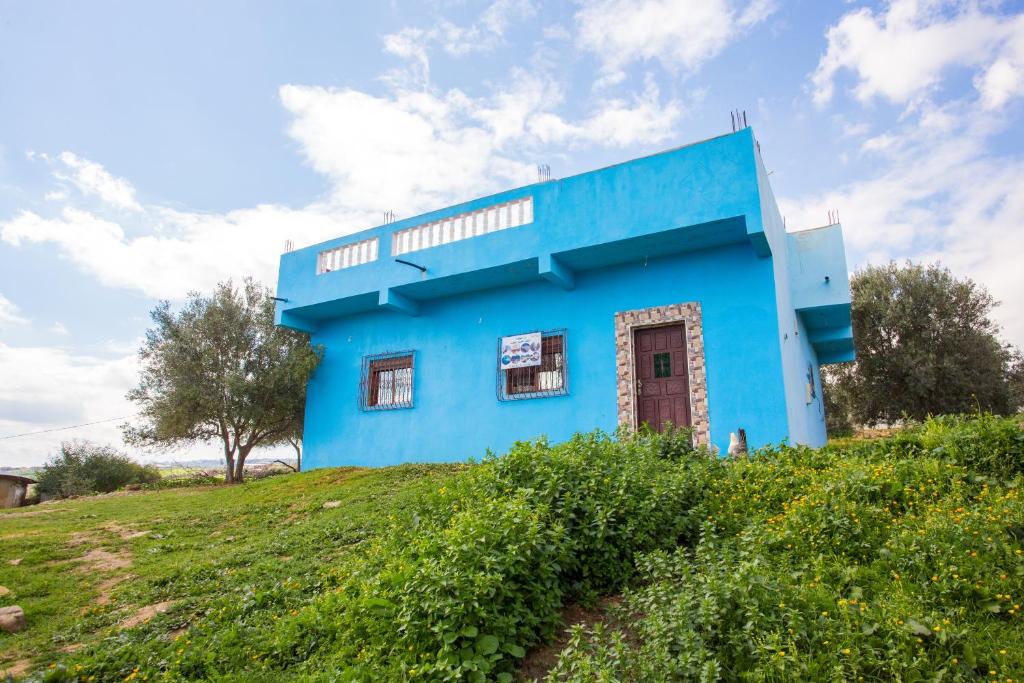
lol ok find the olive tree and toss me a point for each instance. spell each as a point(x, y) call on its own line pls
point(926, 345)
point(220, 370)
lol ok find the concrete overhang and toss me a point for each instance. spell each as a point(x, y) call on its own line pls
point(558, 268)
point(820, 288)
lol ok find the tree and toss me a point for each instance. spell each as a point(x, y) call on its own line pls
point(82, 467)
point(1015, 379)
point(926, 345)
point(220, 370)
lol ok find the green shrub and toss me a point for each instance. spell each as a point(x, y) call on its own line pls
point(866, 564)
point(463, 587)
point(185, 481)
point(82, 468)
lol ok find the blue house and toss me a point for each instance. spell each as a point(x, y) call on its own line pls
point(663, 289)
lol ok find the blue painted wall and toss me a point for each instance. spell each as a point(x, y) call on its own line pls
point(697, 223)
point(806, 417)
point(457, 414)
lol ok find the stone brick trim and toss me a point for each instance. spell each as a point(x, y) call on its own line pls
point(689, 314)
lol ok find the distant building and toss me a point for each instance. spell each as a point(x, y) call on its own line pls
point(663, 289)
point(13, 489)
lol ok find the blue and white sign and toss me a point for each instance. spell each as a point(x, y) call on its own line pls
point(520, 351)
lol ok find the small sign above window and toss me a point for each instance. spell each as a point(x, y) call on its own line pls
point(520, 351)
point(546, 376)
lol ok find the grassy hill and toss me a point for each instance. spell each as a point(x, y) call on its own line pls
point(891, 559)
point(144, 564)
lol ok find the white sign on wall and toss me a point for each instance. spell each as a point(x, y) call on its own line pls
point(520, 351)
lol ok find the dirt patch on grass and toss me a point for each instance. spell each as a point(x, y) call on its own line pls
point(33, 513)
point(81, 538)
point(106, 589)
point(100, 560)
point(541, 660)
point(125, 533)
point(15, 669)
point(176, 633)
point(146, 613)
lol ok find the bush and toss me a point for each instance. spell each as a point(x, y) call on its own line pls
point(198, 478)
point(479, 574)
point(898, 560)
point(82, 468)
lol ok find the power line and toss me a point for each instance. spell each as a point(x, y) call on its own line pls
point(61, 429)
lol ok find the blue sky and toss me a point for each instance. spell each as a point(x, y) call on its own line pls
point(148, 149)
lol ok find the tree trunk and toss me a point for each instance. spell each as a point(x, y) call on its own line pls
point(229, 455)
point(229, 466)
point(243, 452)
point(297, 445)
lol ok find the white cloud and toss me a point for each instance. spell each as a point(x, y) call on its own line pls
point(879, 143)
point(484, 35)
point(188, 251)
point(937, 192)
point(10, 314)
point(556, 32)
point(48, 388)
point(1002, 81)
point(377, 150)
point(618, 122)
point(92, 179)
point(937, 198)
point(409, 151)
point(501, 14)
point(59, 328)
point(411, 44)
point(902, 54)
point(681, 34)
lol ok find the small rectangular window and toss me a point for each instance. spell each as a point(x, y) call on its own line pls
point(387, 381)
point(550, 378)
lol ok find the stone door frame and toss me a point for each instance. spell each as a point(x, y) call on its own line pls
point(689, 314)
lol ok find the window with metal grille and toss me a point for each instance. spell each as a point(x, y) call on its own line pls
point(387, 381)
point(550, 378)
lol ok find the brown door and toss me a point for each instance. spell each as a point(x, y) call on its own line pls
point(662, 384)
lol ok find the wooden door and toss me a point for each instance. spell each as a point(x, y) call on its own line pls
point(662, 381)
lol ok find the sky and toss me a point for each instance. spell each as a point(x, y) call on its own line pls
point(152, 149)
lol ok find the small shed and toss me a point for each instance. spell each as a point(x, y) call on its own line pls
point(13, 489)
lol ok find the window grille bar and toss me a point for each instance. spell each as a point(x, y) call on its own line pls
point(387, 381)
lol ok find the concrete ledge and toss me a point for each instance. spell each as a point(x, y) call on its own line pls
point(399, 303)
point(555, 272)
point(293, 322)
point(830, 334)
point(830, 357)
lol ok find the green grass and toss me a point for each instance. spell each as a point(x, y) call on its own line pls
point(887, 559)
point(205, 547)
